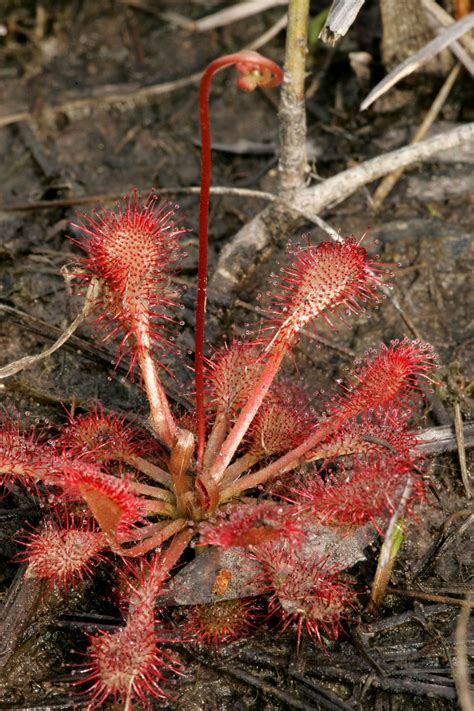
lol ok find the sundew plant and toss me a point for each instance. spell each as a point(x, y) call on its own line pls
point(255, 469)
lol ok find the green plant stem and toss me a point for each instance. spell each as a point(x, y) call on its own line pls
point(292, 161)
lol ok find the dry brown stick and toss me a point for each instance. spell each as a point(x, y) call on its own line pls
point(341, 16)
point(234, 13)
point(389, 182)
point(27, 361)
point(269, 34)
point(242, 255)
point(413, 63)
point(336, 189)
point(429, 597)
point(192, 190)
point(70, 107)
point(444, 19)
point(24, 598)
point(458, 425)
point(461, 672)
point(435, 440)
point(463, 48)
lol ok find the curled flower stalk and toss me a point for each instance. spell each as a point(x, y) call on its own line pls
point(254, 70)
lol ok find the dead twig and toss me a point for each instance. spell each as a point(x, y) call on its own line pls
point(447, 535)
point(238, 11)
point(435, 440)
point(27, 361)
point(444, 39)
point(22, 601)
point(255, 682)
point(192, 190)
point(429, 597)
point(458, 425)
point(389, 182)
point(443, 19)
point(461, 671)
point(341, 16)
point(241, 256)
point(336, 189)
point(392, 684)
point(73, 106)
point(269, 34)
point(439, 18)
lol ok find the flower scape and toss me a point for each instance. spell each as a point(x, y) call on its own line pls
point(255, 469)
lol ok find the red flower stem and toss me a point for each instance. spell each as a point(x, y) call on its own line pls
point(155, 540)
point(160, 413)
point(20, 470)
point(151, 470)
point(288, 461)
point(272, 75)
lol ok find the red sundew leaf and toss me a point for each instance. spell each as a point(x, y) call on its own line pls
point(200, 582)
point(387, 377)
point(132, 252)
point(310, 593)
point(248, 525)
point(140, 584)
point(231, 375)
point(114, 506)
point(24, 458)
point(98, 437)
point(368, 493)
point(130, 664)
point(62, 552)
point(378, 435)
point(320, 280)
point(219, 623)
point(277, 427)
